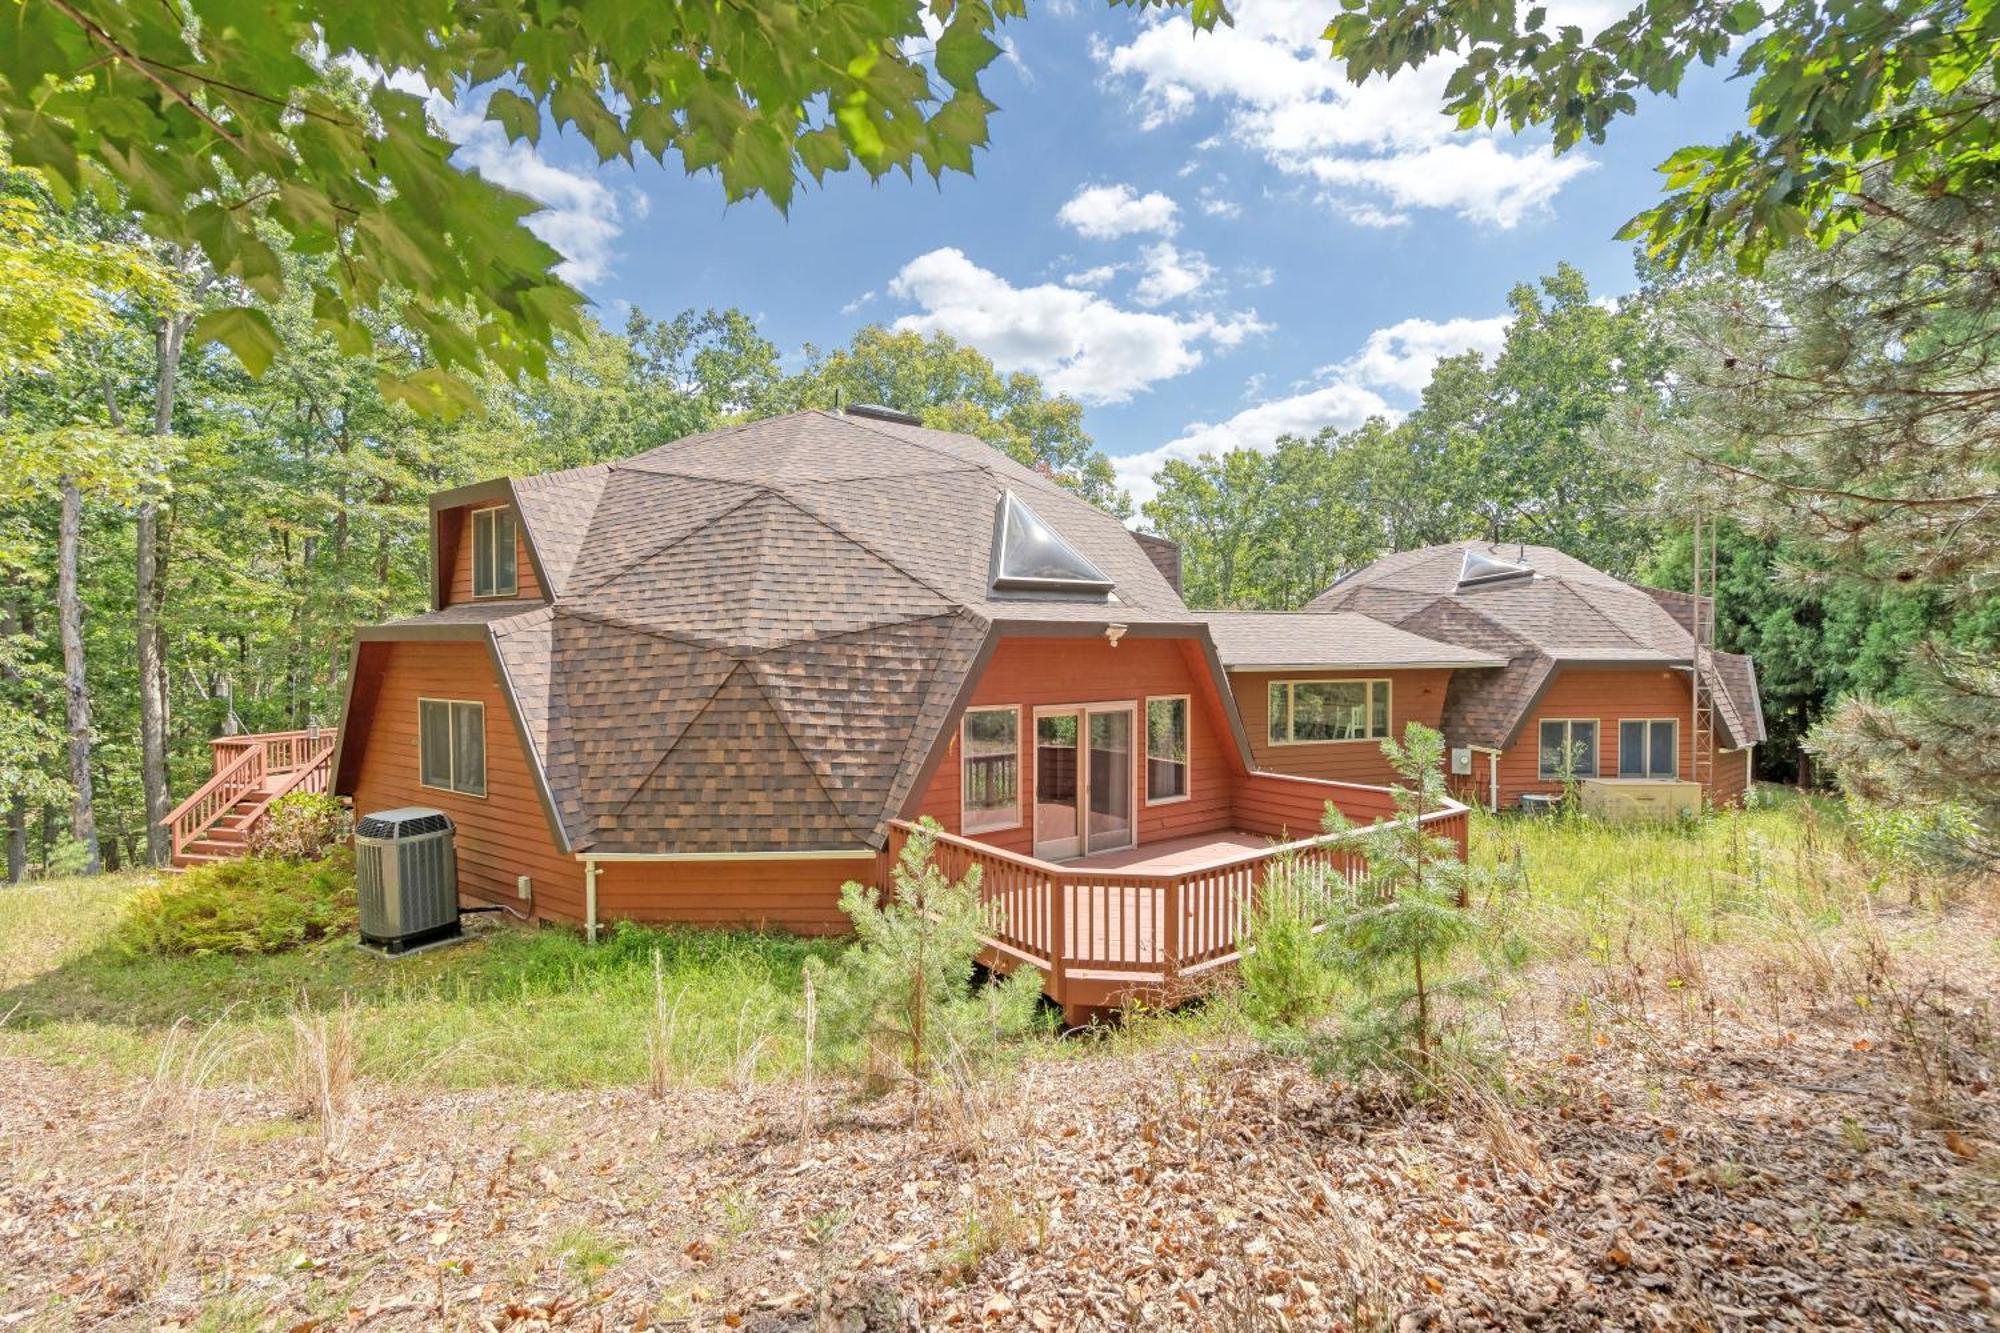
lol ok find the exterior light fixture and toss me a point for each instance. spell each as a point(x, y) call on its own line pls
point(1113, 633)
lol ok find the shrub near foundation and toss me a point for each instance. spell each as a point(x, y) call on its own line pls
point(257, 905)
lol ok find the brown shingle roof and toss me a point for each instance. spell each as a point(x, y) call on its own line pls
point(1566, 613)
point(1251, 639)
point(757, 633)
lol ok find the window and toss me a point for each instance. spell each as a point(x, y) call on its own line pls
point(991, 768)
point(1568, 743)
point(1166, 750)
point(1305, 711)
point(1650, 749)
point(493, 553)
point(451, 746)
point(1031, 556)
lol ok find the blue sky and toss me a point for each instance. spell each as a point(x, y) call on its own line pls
point(1208, 239)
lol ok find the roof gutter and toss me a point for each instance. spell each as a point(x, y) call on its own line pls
point(1490, 664)
point(804, 854)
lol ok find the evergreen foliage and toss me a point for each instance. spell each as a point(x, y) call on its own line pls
point(256, 905)
point(904, 993)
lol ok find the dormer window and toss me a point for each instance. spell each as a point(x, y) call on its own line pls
point(1483, 567)
point(493, 565)
point(1031, 556)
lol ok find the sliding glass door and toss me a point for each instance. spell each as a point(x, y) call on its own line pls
point(1084, 779)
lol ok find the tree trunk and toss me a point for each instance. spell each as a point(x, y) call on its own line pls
point(17, 805)
point(76, 693)
point(152, 599)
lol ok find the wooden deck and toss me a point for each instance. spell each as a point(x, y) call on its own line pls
point(1154, 923)
point(250, 772)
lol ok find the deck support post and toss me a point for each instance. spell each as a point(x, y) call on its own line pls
point(1170, 934)
point(1058, 938)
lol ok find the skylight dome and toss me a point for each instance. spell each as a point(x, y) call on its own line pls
point(1485, 567)
point(1031, 556)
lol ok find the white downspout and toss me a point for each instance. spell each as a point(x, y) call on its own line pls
point(1492, 776)
point(590, 898)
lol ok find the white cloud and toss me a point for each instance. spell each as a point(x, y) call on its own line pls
point(854, 307)
point(1401, 357)
point(581, 216)
point(1105, 212)
point(1168, 273)
point(1091, 277)
point(1377, 149)
point(1393, 365)
point(1079, 343)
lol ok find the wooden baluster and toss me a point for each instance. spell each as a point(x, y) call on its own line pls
point(1170, 929)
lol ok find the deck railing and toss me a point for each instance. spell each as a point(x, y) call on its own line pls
point(1145, 930)
point(261, 767)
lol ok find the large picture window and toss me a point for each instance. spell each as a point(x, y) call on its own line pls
point(451, 745)
point(1303, 712)
point(991, 765)
point(1166, 750)
point(493, 565)
point(1567, 745)
point(1649, 749)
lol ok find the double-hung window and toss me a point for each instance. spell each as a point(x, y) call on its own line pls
point(1166, 750)
point(1568, 749)
point(1649, 749)
point(493, 565)
point(990, 761)
point(451, 745)
point(1305, 711)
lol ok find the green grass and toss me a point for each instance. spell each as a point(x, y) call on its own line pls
point(542, 1008)
point(1735, 876)
point(522, 1006)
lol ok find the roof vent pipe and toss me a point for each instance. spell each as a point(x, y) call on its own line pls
point(881, 413)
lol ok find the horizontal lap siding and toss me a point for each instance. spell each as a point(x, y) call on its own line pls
point(1280, 806)
point(794, 895)
point(455, 536)
point(1732, 776)
point(500, 836)
point(1048, 672)
point(1414, 696)
point(1609, 695)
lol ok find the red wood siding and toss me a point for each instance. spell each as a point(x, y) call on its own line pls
point(500, 835)
point(1414, 696)
point(1608, 695)
point(455, 551)
point(796, 895)
point(1036, 673)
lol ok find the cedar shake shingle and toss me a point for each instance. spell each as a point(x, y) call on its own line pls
point(1567, 613)
point(756, 634)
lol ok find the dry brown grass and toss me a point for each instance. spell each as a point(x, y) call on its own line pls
point(319, 1071)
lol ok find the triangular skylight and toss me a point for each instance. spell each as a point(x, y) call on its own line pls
point(1031, 556)
point(1482, 567)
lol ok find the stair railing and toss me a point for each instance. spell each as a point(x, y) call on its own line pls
point(199, 812)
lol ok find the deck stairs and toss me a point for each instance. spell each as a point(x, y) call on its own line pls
point(250, 773)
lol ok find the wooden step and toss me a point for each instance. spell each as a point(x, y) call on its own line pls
point(189, 859)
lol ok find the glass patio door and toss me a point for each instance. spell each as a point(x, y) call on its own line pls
point(1084, 787)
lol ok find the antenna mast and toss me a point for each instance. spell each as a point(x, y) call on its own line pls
point(1702, 734)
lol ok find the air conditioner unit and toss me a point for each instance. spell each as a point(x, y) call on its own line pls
point(1461, 761)
point(406, 878)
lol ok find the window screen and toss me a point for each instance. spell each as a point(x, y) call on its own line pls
point(493, 553)
point(1166, 749)
point(992, 769)
point(1649, 749)
point(434, 743)
point(451, 746)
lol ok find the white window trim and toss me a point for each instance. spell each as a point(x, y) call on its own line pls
point(451, 745)
point(965, 753)
point(1388, 687)
point(1187, 761)
point(1569, 722)
point(1650, 722)
point(472, 520)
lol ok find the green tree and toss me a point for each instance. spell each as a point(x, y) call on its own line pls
point(1849, 101)
point(1843, 409)
point(952, 386)
point(239, 132)
point(904, 991)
